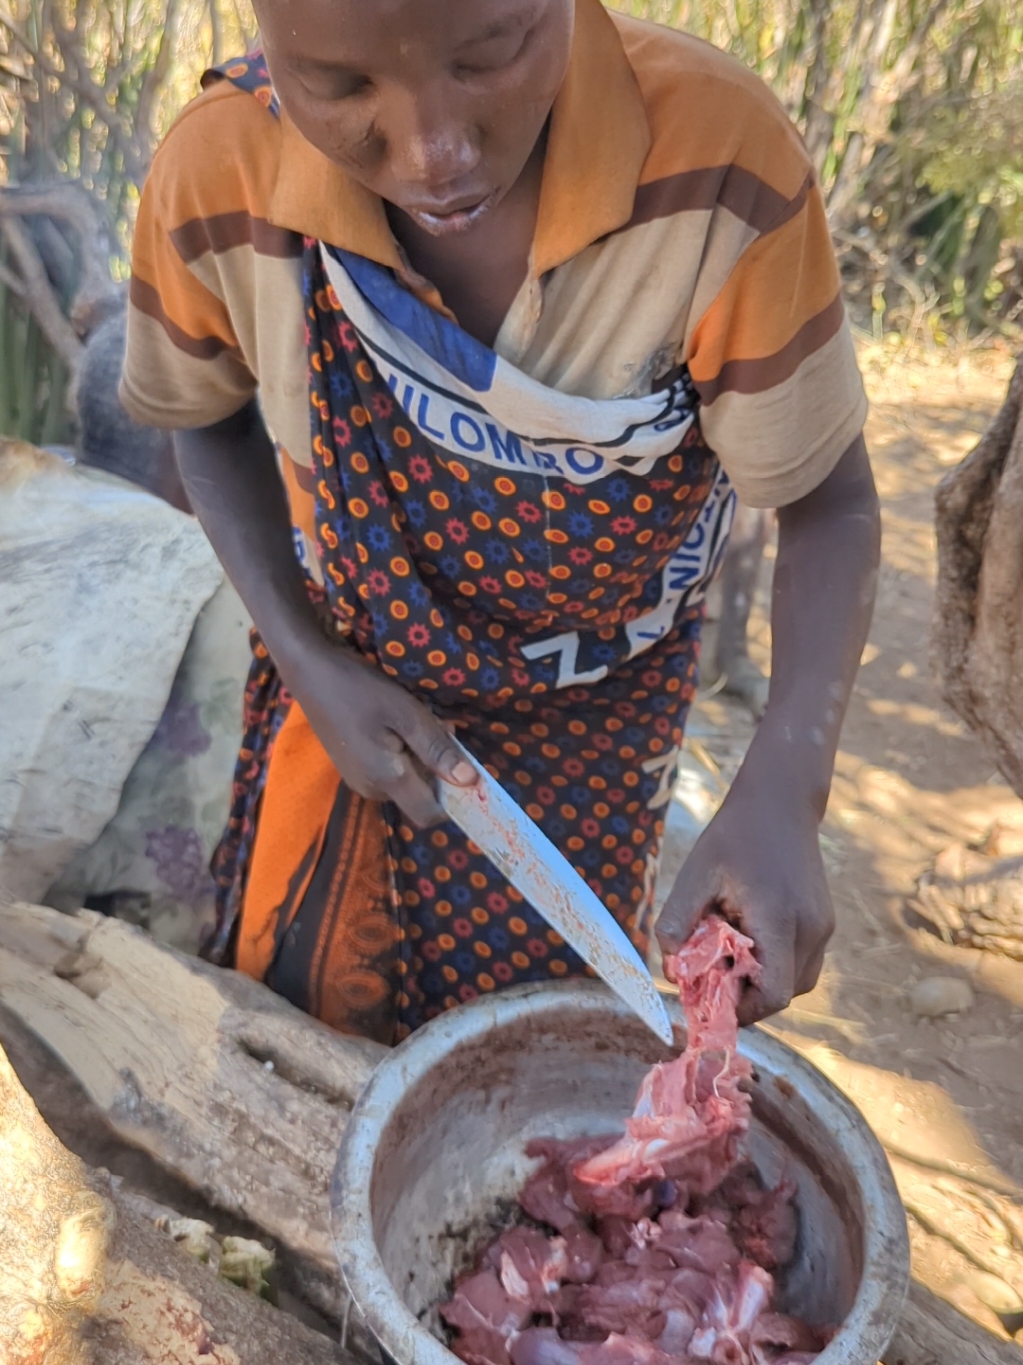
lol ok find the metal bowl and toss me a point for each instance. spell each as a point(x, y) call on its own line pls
point(435, 1149)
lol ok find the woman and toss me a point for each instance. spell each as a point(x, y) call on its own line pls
point(467, 325)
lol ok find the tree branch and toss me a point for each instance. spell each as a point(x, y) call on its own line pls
point(38, 293)
point(68, 202)
point(157, 73)
point(90, 93)
point(10, 281)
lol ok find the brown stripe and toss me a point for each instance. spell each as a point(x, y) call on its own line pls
point(305, 476)
point(740, 191)
point(145, 298)
point(345, 831)
point(757, 376)
point(222, 231)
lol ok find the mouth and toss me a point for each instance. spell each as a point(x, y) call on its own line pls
point(444, 222)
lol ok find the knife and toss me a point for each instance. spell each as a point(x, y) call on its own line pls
point(520, 850)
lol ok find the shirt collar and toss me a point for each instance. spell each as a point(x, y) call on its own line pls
point(598, 140)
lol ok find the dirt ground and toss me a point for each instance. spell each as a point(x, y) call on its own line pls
point(945, 1096)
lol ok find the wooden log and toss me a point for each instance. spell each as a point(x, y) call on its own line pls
point(53, 1237)
point(224, 1083)
point(86, 1278)
point(932, 1332)
point(161, 1307)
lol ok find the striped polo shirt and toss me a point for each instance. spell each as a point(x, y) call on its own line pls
point(679, 222)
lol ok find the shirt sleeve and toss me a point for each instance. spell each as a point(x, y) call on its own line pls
point(184, 366)
point(772, 359)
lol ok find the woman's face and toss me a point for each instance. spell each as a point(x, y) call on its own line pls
point(435, 105)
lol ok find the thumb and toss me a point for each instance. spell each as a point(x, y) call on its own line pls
point(435, 747)
point(693, 895)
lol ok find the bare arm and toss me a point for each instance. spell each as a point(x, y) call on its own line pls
point(759, 861)
point(371, 727)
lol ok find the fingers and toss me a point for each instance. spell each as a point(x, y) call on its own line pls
point(775, 988)
point(790, 968)
point(434, 746)
point(415, 797)
point(774, 944)
point(811, 970)
point(395, 776)
point(385, 744)
point(692, 896)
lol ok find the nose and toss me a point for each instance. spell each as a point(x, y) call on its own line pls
point(430, 142)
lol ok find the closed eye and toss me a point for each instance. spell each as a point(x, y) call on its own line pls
point(495, 57)
point(495, 50)
point(333, 83)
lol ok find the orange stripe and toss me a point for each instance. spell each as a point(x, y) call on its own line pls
point(352, 976)
point(299, 485)
point(782, 283)
point(706, 109)
point(220, 157)
point(327, 944)
point(757, 376)
point(300, 791)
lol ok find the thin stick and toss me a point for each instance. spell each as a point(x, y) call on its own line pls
point(39, 294)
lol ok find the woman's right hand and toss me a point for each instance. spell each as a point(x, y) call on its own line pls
point(383, 742)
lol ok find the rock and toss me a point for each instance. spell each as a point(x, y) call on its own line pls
point(974, 900)
point(100, 585)
point(151, 863)
point(994, 1292)
point(938, 995)
point(978, 640)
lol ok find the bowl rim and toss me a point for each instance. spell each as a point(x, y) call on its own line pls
point(884, 1281)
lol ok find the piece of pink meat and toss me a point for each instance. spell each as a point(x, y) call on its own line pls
point(543, 1346)
point(487, 1318)
point(703, 1243)
point(546, 1195)
point(691, 1112)
point(762, 1222)
point(776, 1339)
point(530, 1265)
point(723, 1332)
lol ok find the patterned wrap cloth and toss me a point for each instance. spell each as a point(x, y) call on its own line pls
point(511, 599)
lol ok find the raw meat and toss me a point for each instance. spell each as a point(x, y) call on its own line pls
point(691, 1112)
point(664, 1243)
point(487, 1318)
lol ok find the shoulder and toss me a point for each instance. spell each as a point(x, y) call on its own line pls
point(707, 111)
point(220, 156)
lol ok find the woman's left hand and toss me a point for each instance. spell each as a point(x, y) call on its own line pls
point(758, 863)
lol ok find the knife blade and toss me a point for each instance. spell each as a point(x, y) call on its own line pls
point(520, 850)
